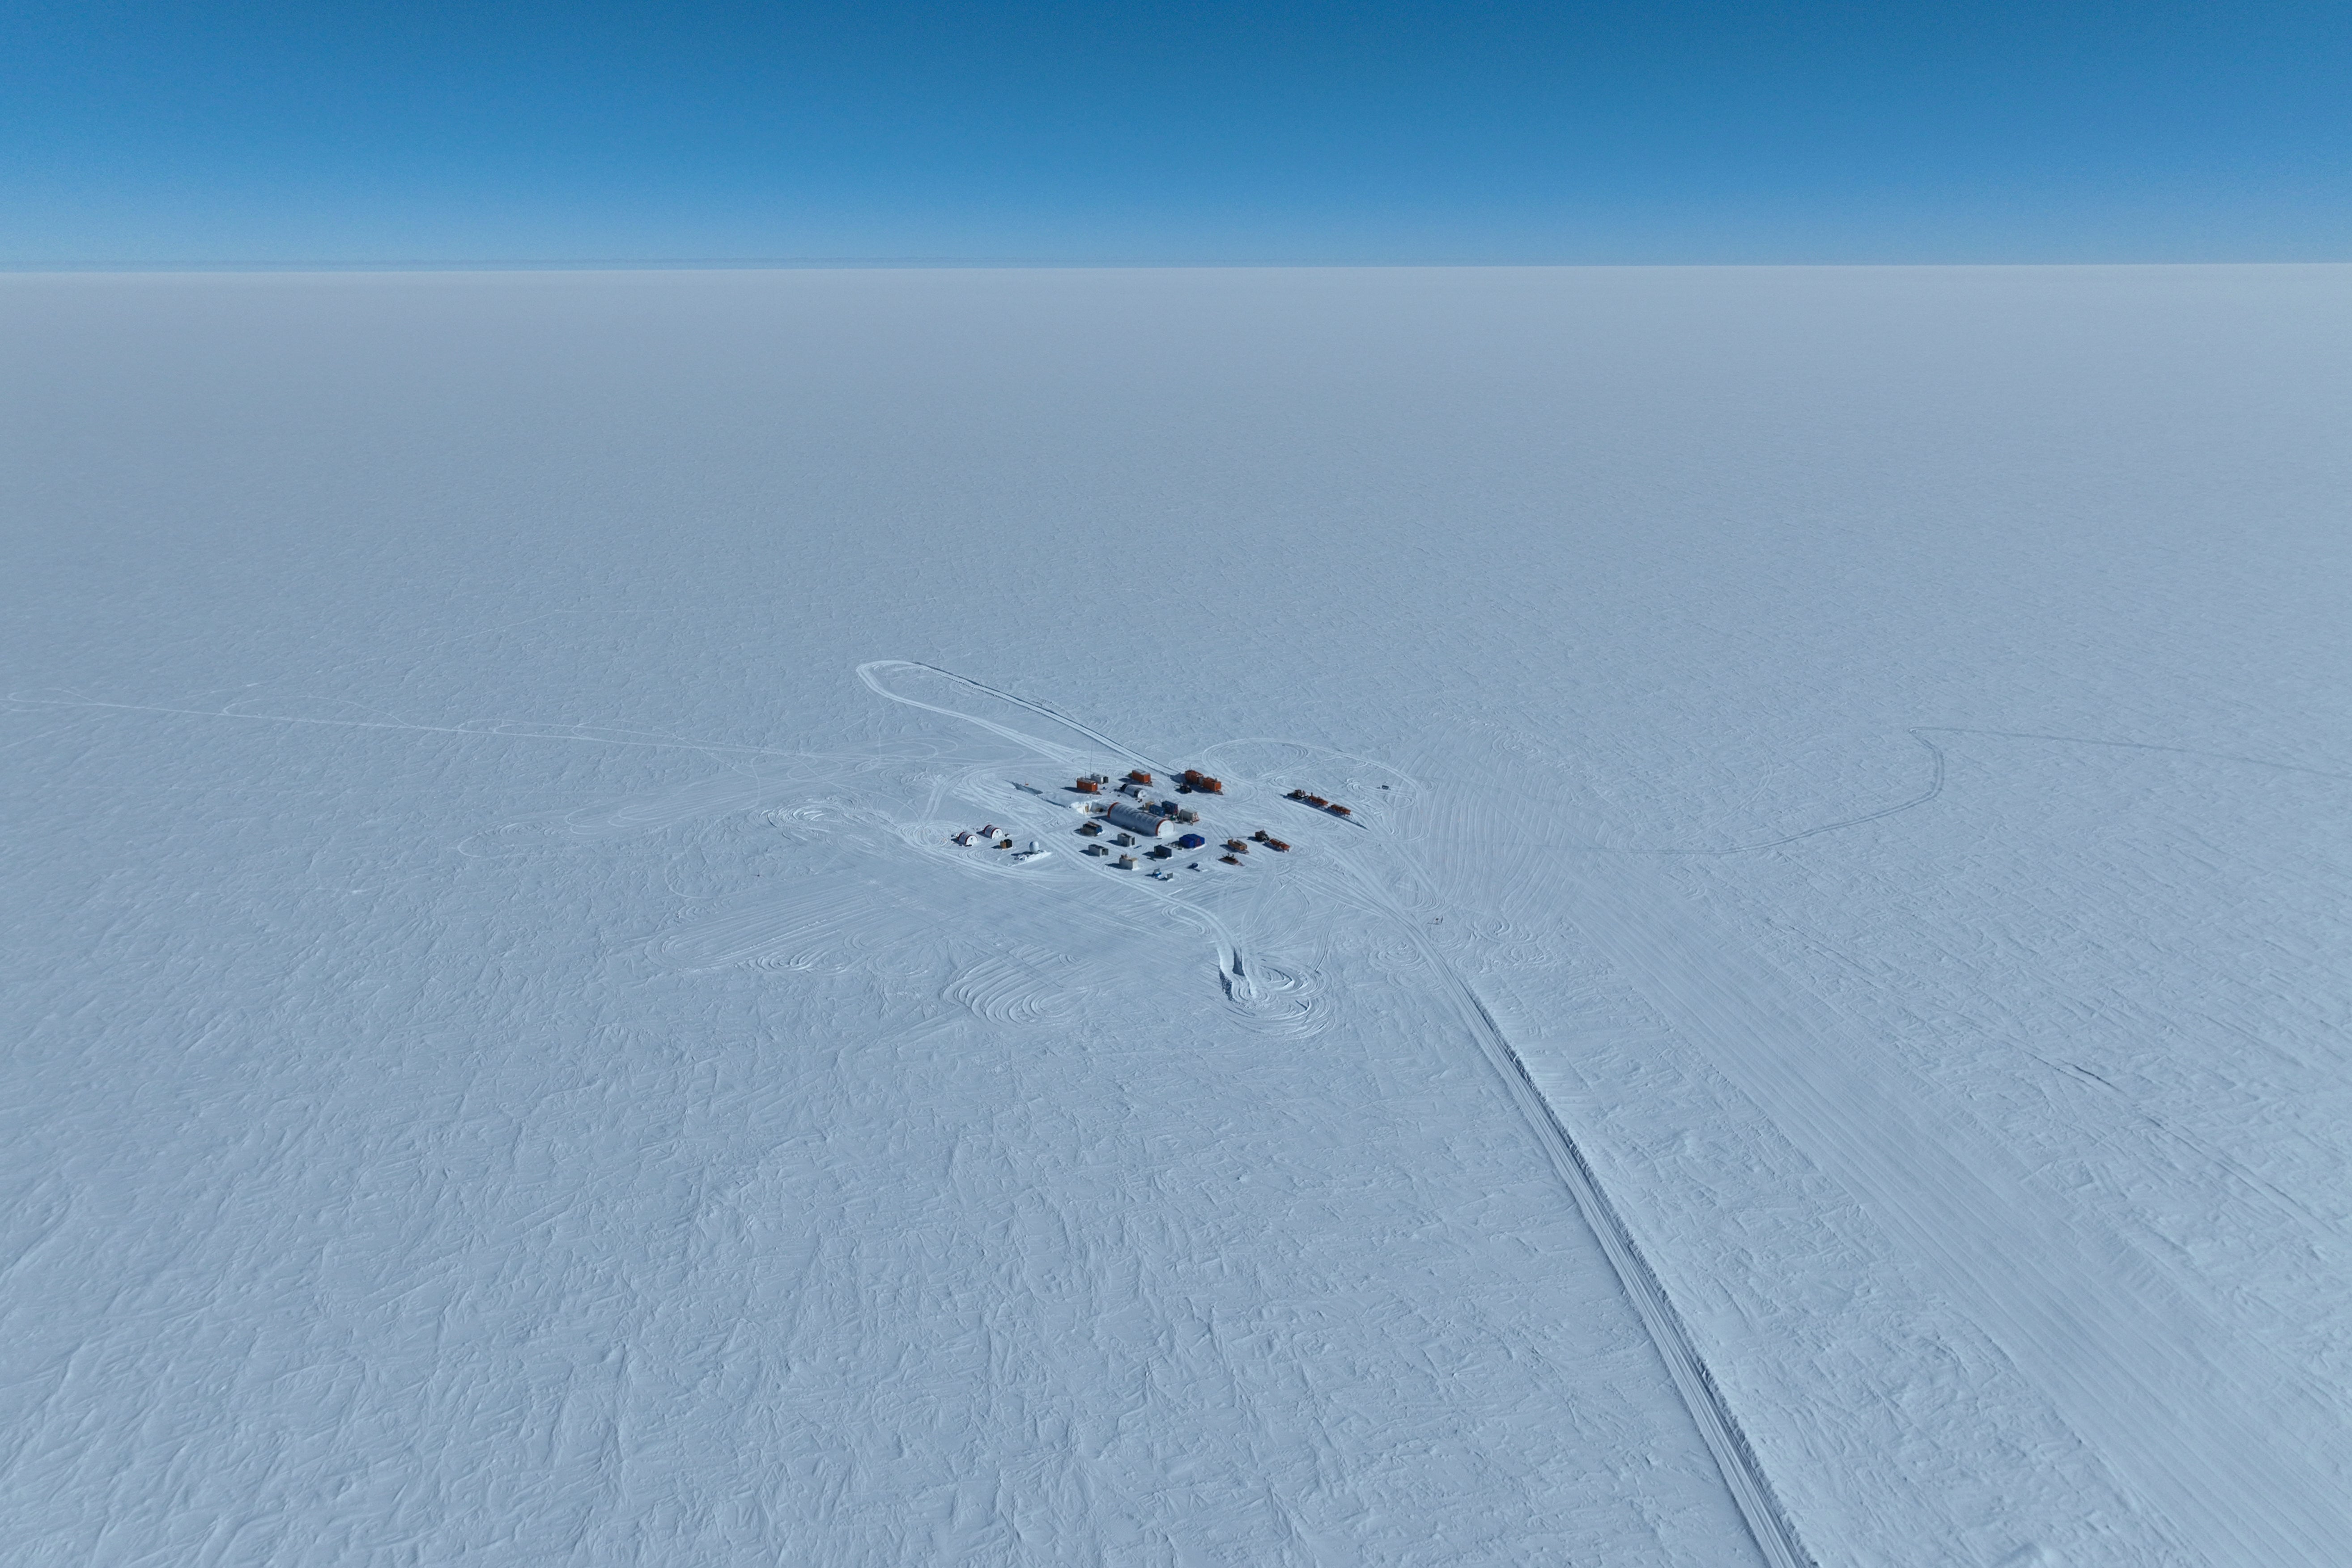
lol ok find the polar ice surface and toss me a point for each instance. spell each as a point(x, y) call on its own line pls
point(1851, 767)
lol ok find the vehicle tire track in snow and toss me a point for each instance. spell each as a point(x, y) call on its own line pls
point(1751, 1491)
point(2214, 1433)
point(789, 928)
point(1021, 986)
point(1935, 787)
point(2269, 763)
point(1727, 1443)
point(869, 673)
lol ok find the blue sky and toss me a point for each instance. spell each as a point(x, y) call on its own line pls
point(147, 134)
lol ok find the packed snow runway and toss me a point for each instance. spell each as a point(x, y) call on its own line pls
point(1822, 1037)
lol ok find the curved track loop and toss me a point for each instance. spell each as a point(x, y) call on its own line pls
point(1280, 1003)
point(1016, 988)
point(1283, 1005)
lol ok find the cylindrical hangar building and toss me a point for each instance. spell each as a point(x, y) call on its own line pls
point(1137, 820)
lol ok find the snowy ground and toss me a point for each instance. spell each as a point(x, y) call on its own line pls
point(1829, 1037)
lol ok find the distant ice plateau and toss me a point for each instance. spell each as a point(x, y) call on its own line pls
point(1825, 1038)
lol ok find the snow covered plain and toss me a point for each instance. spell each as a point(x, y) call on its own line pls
point(1827, 1038)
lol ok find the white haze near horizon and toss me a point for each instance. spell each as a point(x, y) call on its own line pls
point(503, 1064)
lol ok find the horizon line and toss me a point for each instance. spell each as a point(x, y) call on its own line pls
point(979, 264)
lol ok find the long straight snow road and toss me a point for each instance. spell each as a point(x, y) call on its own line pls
point(1826, 1037)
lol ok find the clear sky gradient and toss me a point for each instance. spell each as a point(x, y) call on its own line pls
point(142, 132)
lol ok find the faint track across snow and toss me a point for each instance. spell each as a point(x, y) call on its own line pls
point(868, 673)
point(1935, 787)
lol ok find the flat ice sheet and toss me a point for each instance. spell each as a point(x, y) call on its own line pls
point(1823, 1038)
